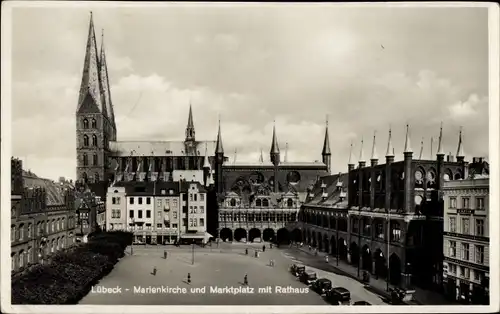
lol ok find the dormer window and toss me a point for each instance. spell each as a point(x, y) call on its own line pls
point(232, 202)
point(323, 185)
point(171, 192)
point(163, 192)
point(258, 202)
point(324, 195)
point(289, 203)
point(265, 202)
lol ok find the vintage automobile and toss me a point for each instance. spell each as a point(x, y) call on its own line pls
point(361, 303)
point(308, 277)
point(297, 269)
point(339, 296)
point(322, 286)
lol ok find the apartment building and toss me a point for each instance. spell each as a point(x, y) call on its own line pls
point(116, 209)
point(466, 239)
point(159, 212)
point(42, 217)
point(167, 209)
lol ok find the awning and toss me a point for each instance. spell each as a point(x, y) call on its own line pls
point(205, 236)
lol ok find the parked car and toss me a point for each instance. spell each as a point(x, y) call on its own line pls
point(322, 286)
point(339, 296)
point(361, 303)
point(308, 277)
point(297, 269)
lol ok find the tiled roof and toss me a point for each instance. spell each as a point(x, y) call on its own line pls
point(55, 191)
point(330, 185)
point(157, 148)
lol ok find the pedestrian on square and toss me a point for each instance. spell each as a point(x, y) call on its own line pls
point(270, 245)
point(326, 258)
point(246, 251)
point(245, 280)
point(165, 254)
point(189, 278)
point(264, 248)
point(154, 271)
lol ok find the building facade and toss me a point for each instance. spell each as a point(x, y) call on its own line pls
point(258, 201)
point(116, 209)
point(42, 217)
point(159, 212)
point(466, 238)
point(392, 222)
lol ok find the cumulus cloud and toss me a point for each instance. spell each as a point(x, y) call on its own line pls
point(366, 69)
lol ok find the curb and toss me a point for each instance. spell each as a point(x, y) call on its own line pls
point(380, 292)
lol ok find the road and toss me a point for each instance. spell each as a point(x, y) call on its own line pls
point(223, 266)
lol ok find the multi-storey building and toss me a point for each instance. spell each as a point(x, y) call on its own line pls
point(466, 236)
point(392, 225)
point(257, 201)
point(168, 212)
point(160, 212)
point(42, 216)
point(116, 209)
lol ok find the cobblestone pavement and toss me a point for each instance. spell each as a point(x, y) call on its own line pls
point(221, 266)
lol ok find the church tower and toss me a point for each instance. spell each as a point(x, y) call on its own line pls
point(190, 142)
point(95, 122)
point(219, 161)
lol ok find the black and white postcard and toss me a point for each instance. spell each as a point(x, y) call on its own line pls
point(250, 157)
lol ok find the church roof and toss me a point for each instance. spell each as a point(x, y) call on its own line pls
point(157, 148)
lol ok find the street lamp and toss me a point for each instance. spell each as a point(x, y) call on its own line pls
point(337, 238)
point(192, 255)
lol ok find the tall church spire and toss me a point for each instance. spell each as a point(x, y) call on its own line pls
point(274, 145)
point(374, 148)
point(275, 150)
point(261, 158)
point(351, 161)
point(460, 149)
point(440, 143)
point(407, 140)
point(90, 86)
point(390, 149)
point(190, 134)
point(206, 164)
point(108, 104)
point(218, 147)
point(421, 149)
point(326, 143)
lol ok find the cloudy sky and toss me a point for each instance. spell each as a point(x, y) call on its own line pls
point(367, 68)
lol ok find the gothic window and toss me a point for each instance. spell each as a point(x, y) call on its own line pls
point(94, 124)
point(265, 202)
point(85, 123)
point(258, 202)
point(94, 140)
point(431, 179)
point(85, 160)
point(85, 140)
point(293, 177)
point(95, 160)
point(290, 203)
point(233, 202)
point(96, 177)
